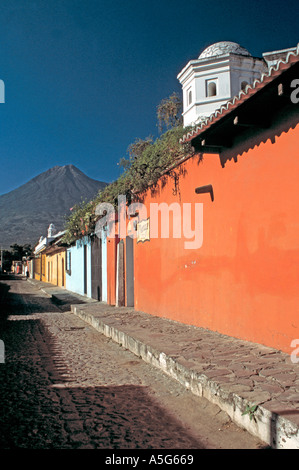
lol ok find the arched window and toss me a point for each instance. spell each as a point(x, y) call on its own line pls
point(212, 89)
point(189, 96)
point(244, 85)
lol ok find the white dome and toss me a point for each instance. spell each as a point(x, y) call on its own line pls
point(224, 47)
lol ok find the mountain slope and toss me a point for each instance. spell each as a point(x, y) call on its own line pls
point(26, 212)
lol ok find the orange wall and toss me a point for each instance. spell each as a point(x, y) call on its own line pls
point(243, 281)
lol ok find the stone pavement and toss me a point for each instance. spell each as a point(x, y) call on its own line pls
point(257, 386)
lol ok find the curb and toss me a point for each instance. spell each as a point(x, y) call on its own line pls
point(270, 427)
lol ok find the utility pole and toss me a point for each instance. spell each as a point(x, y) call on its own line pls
point(1, 259)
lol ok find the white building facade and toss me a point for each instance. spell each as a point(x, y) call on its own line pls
point(221, 71)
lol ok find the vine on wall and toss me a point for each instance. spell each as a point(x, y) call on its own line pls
point(147, 161)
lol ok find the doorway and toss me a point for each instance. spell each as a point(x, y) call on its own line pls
point(130, 271)
point(85, 268)
point(96, 269)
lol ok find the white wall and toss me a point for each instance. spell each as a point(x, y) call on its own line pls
point(228, 72)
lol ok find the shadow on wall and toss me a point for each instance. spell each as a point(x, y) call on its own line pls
point(171, 176)
point(250, 138)
point(253, 137)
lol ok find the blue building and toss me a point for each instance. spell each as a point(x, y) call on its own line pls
point(78, 267)
point(86, 267)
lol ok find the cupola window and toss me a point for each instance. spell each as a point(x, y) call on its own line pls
point(189, 96)
point(211, 88)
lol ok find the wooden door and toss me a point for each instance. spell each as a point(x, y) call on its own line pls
point(96, 269)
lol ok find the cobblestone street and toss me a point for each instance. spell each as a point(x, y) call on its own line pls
point(66, 386)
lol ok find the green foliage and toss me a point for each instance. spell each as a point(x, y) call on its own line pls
point(15, 254)
point(250, 410)
point(80, 222)
point(147, 160)
point(18, 251)
point(156, 158)
point(7, 260)
point(169, 112)
point(138, 147)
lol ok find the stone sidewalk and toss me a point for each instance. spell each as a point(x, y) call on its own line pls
point(258, 387)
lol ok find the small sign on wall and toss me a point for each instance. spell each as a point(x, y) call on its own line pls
point(143, 231)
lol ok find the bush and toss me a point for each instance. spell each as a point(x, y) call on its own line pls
point(147, 161)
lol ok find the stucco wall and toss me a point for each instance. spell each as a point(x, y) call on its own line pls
point(75, 280)
point(54, 271)
point(243, 280)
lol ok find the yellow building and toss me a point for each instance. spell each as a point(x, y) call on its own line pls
point(55, 268)
point(53, 264)
point(49, 261)
point(37, 267)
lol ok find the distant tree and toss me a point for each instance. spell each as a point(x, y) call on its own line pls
point(27, 250)
point(7, 260)
point(18, 251)
point(169, 112)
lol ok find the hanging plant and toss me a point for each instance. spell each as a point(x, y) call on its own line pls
point(147, 161)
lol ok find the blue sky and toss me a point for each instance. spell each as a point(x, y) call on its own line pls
point(83, 78)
